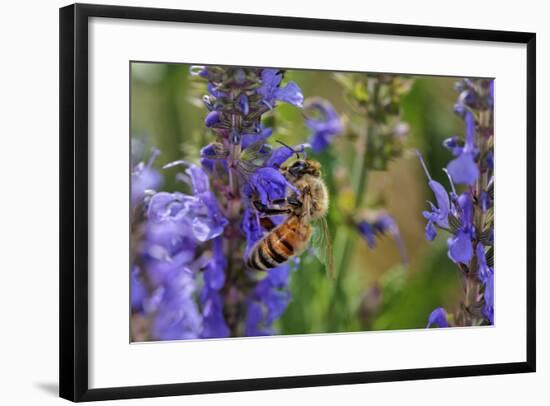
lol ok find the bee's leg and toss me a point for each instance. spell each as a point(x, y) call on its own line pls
point(267, 223)
point(306, 205)
point(279, 201)
point(294, 201)
point(291, 200)
point(269, 211)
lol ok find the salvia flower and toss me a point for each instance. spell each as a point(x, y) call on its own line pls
point(438, 317)
point(324, 123)
point(439, 213)
point(368, 232)
point(271, 89)
point(381, 224)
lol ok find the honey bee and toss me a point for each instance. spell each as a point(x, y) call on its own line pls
point(305, 220)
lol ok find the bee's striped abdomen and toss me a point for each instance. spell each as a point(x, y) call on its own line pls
point(279, 245)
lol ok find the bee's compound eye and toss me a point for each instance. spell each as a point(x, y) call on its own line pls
point(297, 168)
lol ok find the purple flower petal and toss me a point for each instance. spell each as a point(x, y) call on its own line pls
point(442, 200)
point(368, 233)
point(460, 247)
point(212, 118)
point(270, 89)
point(430, 231)
point(214, 275)
point(199, 179)
point(325, 127)
point(269, 184)
point(249, 139)
point(147, 179)
point(254, 319)
point(177, 315)
point(214, 92)
point(291, 94)
point(463, 169)
point(467, 210)
point(282, 154)
point(279, 276)
point(138, 292)
point(243, 103)
point(214, 325)
point(319, 142)
point(452, 145)
point(438, 317)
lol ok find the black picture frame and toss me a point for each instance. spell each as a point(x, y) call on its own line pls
point(73, 281)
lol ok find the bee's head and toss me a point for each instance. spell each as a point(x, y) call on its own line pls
point(303, 167)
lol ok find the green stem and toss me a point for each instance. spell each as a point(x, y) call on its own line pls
point(345, 240)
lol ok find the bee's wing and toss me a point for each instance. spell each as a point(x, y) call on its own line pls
point(322, 245)
point(256, 153)
point(254, 157)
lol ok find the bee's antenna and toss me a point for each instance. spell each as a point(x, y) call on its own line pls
point(290, 148)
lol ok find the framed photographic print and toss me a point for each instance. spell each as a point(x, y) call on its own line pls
point(256, 202)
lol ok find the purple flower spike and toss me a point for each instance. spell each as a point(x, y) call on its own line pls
point(438, 317)
point(467, 239)
point(460, 247)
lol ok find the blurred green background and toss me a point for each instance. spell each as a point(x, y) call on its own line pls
point(377, 291)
